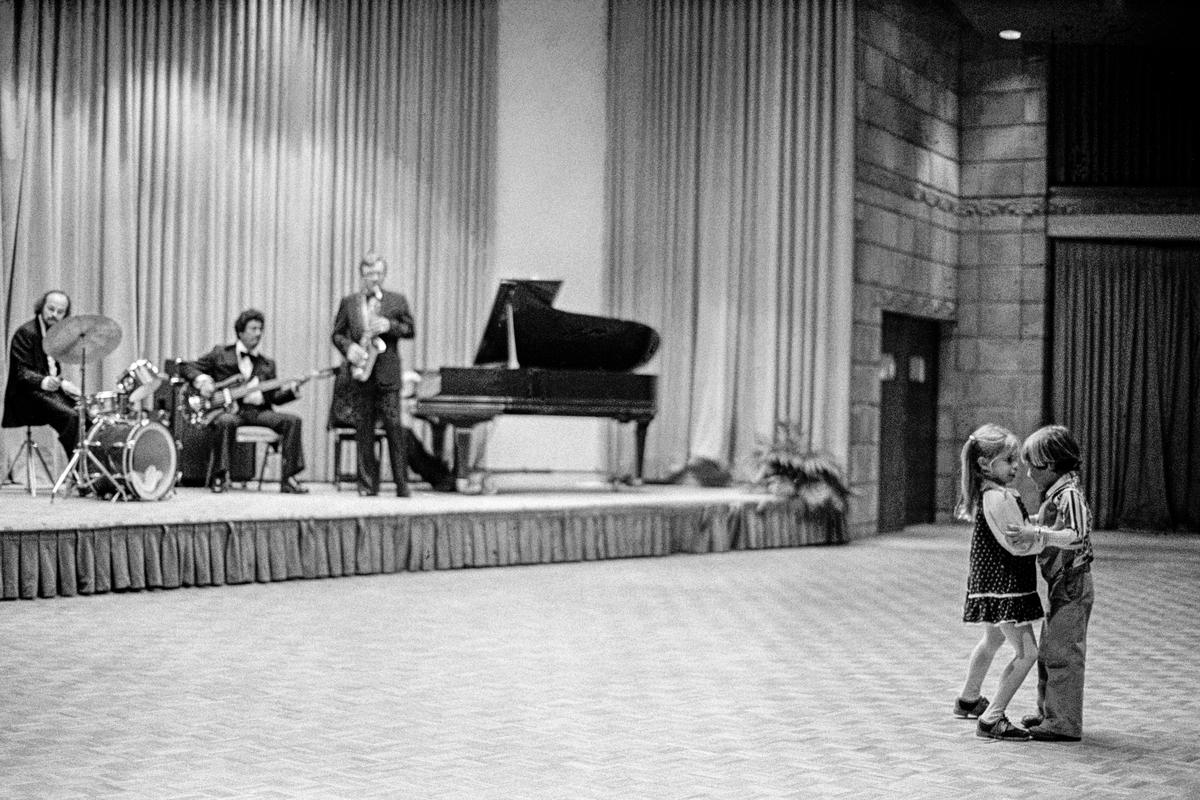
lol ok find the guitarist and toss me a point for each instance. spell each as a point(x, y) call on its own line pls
point(245, 360)
point(367, 330)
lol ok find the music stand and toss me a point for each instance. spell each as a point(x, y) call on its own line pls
point(68, 341)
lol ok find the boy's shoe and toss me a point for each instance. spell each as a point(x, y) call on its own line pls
point(1039, 735)
point(1031, 720)
point(1001, 729)
point(964, 709)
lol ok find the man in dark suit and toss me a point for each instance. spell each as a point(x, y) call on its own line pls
point(244, 358)
point(37, 393)
point(367, 330)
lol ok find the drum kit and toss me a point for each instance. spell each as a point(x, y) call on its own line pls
point(125, 455)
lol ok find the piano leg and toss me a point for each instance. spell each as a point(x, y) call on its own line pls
point(462, 457)
point(642, 425)
point(439, 439)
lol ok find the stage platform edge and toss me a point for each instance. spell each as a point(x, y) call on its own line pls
point(328, 537)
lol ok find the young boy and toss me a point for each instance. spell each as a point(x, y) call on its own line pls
point(1062, 532)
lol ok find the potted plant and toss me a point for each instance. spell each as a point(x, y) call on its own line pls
point(812, 481)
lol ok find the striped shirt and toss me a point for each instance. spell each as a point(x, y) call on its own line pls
point(1065, 511)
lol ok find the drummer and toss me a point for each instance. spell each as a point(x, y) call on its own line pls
point(37, 393)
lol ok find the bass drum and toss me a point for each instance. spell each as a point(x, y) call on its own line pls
point(141, 456)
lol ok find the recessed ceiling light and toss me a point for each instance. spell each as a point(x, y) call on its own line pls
point(1010, 35)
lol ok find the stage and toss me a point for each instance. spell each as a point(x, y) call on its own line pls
point(79, 546)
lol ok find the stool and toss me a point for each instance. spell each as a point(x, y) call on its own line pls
point(343, 436)
point(256, 435)
point(30, 448)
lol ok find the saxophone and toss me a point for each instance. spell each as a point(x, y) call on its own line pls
point(373, 345)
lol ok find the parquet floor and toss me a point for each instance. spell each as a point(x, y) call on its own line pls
point(809, 673)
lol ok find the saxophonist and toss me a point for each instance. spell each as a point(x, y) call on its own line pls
point(367, 330)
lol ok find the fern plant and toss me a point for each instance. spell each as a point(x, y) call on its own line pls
point(787, 466)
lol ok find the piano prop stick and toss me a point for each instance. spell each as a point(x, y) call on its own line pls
point(510, 328)
point(569, 365)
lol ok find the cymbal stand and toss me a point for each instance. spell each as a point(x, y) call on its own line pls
point(77, 467)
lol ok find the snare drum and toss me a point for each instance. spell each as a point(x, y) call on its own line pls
point(139, 381)
point(141, 456)
point(104, 405)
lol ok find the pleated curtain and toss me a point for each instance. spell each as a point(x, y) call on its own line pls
point(1125, 377)
point(169, 163)
point(731, 136)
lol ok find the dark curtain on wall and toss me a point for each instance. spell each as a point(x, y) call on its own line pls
point(1124, 116)
point(172, 162)
point(1126, 377)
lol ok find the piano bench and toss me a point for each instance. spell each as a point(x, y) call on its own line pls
point(346, 436)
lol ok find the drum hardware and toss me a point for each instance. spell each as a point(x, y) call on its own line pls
point(108, 404)
point(69, 341)
point(141, 454)
point(139, 381)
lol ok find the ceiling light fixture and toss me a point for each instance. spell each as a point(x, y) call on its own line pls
point(1010, 35)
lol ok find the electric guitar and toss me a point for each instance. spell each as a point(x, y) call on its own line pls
point(204, 410)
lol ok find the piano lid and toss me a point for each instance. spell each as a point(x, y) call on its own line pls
point(552, 339)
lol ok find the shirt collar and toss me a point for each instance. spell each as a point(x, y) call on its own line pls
point(241, 348)
point(988, 483)
point(376, 292)
point(1063, 482)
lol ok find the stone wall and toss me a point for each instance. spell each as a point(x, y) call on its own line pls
point(997, 347)
point(906, 194)
point(950, 226)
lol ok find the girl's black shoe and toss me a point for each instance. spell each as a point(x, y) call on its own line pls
point(1001, 729)
point(964, 709)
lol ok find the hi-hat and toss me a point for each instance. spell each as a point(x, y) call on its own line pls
point(93, 334)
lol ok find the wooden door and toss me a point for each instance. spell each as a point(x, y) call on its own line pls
point(908, 421)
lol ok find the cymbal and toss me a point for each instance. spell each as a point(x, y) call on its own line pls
point(69, 339)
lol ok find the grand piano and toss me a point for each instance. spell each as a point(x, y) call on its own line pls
point(536, 359)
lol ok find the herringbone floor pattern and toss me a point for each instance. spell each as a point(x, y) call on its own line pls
point(809, 673)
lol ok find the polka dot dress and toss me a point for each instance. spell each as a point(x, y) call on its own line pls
point(1001, 587)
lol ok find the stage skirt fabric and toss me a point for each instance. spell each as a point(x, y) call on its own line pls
point(165, 556)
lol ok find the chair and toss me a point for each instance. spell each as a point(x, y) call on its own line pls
point(341, 424)
point(343, 436)
point(256, 435)
point(30, 449)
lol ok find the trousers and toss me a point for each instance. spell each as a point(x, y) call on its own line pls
point(1063, 651)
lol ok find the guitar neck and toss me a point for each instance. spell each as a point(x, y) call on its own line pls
point(267, 386)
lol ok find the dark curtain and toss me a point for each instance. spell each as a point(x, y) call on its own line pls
point(1126, 377)
point(1124, 116)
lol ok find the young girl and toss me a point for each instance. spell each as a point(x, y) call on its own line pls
point(1002, 585)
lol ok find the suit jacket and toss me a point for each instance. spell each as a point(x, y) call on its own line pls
point(348, 328)
point(222, 362)
point(23, 395)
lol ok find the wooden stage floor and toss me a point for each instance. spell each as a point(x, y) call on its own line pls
point(21, 512)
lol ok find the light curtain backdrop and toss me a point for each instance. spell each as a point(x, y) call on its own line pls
point(169, 163)
point(731, 216)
